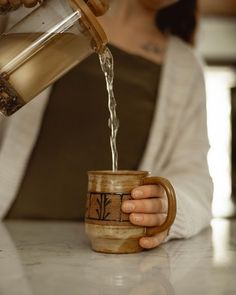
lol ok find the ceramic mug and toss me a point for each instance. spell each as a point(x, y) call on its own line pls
point(106, 225)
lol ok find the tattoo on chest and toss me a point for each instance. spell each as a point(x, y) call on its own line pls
point(152, 48)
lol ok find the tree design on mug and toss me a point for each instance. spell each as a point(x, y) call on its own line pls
point(103, 202)
point(106, 207)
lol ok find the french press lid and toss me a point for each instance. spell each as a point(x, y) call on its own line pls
point(98, 7)
point(90, 9)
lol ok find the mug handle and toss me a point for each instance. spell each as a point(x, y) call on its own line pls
point(170, 192)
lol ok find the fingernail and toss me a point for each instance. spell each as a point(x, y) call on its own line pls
point(137, 193)
point(138, 218)
point(128, 206)
point(145, 243)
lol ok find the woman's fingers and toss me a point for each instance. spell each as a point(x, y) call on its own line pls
point(17, 3)
point(148, 208)
point(147, 219)
point(154, 241)
point(151, 205)
point(3, 2)
point(30, 3)
point(148, 191)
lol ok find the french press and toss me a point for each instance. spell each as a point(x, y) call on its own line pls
point(46, 44)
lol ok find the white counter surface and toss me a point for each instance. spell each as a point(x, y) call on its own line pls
point(55, 258)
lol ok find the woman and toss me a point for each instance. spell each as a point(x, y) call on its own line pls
point(159, 87)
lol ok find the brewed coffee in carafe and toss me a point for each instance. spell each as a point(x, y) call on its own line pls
point(45, 45)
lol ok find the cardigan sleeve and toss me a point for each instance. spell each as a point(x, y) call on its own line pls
point(187, 167)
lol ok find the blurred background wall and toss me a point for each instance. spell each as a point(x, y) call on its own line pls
point(217, 44)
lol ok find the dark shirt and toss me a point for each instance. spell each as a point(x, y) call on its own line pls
point(74, 136)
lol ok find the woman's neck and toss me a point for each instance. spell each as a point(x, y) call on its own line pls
point(131, 26)
point(131, 13)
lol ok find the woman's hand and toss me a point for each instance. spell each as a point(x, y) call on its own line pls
point(149, 207)
point(16, 3)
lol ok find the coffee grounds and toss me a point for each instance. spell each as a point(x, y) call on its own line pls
point(10, 100)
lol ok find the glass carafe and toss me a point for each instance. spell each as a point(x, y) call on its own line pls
point(45, 45)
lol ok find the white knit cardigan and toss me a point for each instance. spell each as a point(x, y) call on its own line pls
point(177, 146)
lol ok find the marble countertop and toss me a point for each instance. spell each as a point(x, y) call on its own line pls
point(55, 258)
